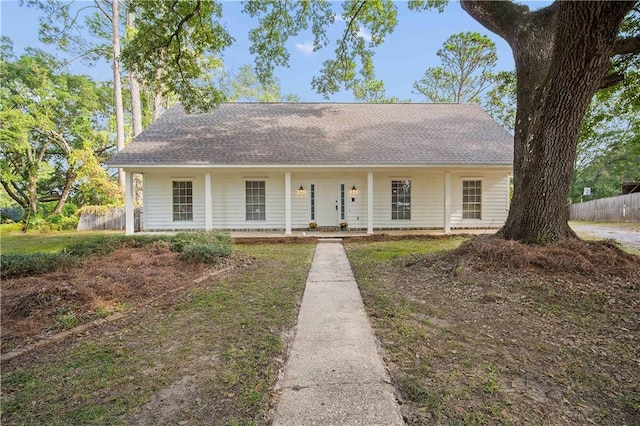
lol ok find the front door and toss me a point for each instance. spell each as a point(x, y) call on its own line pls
point(328, 203)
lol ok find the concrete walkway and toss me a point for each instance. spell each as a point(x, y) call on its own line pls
point(334, 374)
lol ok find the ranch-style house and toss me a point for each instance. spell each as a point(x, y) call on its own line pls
point(283, 166)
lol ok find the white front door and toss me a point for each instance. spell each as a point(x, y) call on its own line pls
point(328, 203)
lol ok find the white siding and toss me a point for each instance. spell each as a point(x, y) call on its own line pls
point(158, 200)
point(229, 211)
point(495, 190)
point(427, 204)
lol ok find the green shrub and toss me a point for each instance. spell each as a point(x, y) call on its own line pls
point(135, 241)
point(205, 253)
point(218, 237)
point(196, 247)
point(11, 227)
point(102, 245)
point(26, 264)
point(41, 225)
point(53, 222)
point(110, 243)
point(69, 223)
point(69, 209)
point(203, 246)
point(61, 223)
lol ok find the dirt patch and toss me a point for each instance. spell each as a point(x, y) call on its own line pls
point(36, 307)
point(497, 332)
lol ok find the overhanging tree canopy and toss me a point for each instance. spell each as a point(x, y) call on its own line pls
point(563, 56)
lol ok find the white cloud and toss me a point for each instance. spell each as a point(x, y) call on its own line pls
point(306, 48)
point(364, 34)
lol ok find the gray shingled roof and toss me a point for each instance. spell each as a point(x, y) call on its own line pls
point(303, 134)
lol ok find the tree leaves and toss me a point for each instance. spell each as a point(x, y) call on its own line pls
point(278, 21)
point(466, 72)
point(51, 120)
point(174, 49)
point(245, 86)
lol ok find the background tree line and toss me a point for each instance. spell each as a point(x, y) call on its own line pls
point(58, 129)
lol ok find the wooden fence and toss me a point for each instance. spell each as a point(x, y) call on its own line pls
point(112, 218)
point(623, 208)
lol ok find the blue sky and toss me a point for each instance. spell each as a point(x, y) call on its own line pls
point(399, 62)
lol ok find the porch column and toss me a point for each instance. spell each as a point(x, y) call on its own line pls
point(129, 218)
point(208, 203)
point(370, 203)
point(447, 202)
point(287, 203)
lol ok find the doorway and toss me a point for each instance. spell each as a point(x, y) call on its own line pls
point(328, 203)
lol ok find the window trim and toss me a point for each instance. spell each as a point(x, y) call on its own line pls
point(262, 215)
point(474, 203)
point(406, 214)
point(188, 214)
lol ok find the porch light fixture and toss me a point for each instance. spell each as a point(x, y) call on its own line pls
point(354, 190)
point(301, 190)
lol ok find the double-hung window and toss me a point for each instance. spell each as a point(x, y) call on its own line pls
point(255, 200)
point(182, 200)
point(401, 199)
point(472, 199)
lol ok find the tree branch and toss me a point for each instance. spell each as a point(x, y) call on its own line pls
point(104, 12)
point(55, 137)
point(627, 45)
point(48, 198)
point(347, 32)
point(98, 152)
point(500, 17)
point(87, 53)
point(18, 198)
point(183, 21)
point(610, 80)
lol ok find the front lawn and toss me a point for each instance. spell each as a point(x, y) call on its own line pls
point(206, 354)
point(12, 240)
point(506, 333)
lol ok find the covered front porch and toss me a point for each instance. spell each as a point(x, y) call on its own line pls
point(288, 201)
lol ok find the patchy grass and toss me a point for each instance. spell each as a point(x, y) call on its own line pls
point(499, 333)
point(210, 355)
point(14, 241)
point(380, 251)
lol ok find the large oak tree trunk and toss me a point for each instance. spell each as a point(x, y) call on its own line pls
point(561, 54)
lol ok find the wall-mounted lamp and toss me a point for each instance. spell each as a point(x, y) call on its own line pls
point(354, 190)
point(301, 190)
